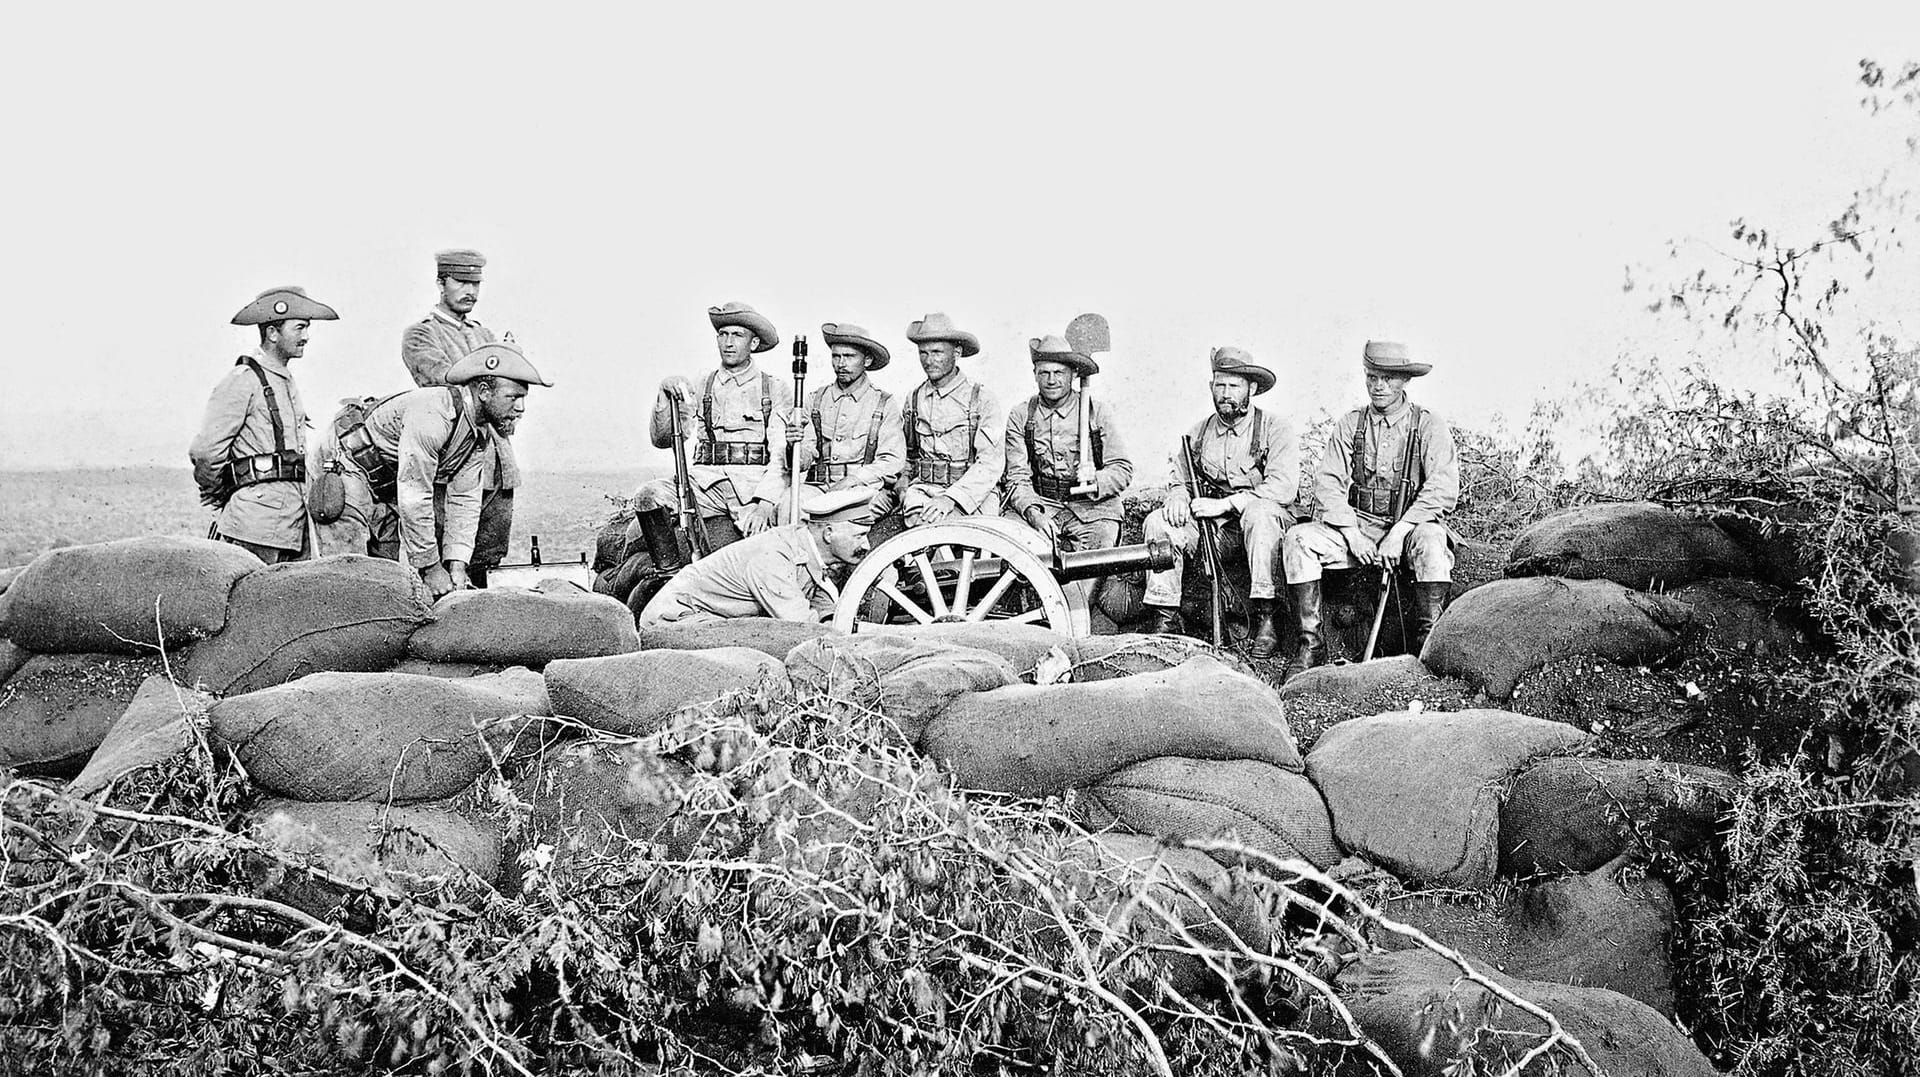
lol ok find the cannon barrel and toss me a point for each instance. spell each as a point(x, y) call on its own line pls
point(1092, 564)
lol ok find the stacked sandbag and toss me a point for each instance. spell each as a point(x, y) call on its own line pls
point(768, 634)
point(12, 657)
point(390, 849)
point(634, 694)
point(1041, 740)
point(1022, 645)
point(1606, 928)
point(456, 670)
point(1262, 806)
point(57, 708)
point(1746, 617)
point(337, 614)
point(1326, 695)
point(1099, 658)
point(595, 799)
point(380, 736)
point(1433, 1023)
point(125, 597)
point(156, 726)
point(521, 627)
point(1498, 633)
point(1636, 544)
point(1419, 794)
point(906, 678)
point(1570, 814)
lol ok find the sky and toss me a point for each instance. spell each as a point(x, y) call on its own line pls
point(1472, 180)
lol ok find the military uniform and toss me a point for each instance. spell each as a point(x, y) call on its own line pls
point(1043, 459)
point(1359, 474)
point(953, 438)
point(781, 572)
point(249, 457)
point(429, 348)
point(855, 438)
point(1254, 464)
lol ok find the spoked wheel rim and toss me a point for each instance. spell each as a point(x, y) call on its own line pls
point(985, 570)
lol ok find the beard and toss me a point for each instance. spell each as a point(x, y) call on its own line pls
point(1231, 411)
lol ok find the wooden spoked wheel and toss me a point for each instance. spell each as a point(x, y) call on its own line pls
point(978, 569)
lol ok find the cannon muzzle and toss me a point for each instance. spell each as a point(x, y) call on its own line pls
point(1093, 564)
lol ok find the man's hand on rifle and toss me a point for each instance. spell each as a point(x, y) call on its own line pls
point(758, 517)
point(676, 387)
point(1393, 546)
point(939, 509)
point(1179, 509)
point(1362, 547)
point(1207, 508)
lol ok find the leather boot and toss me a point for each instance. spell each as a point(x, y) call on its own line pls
point(1311, 645)
point(1266, 638)
point(663, 542)
point(1167, 621)
point(1429, 599)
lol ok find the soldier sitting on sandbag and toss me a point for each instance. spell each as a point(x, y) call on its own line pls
point(1249, 473)
point(782, 572)
point(1388, 475)
point(405, 471)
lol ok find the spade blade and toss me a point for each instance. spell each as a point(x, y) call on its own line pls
point(1087, 334)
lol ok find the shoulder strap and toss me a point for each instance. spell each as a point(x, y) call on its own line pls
point(1033, 458)
point(910, 421)
point(766, 399)
point(1416, 457)
point(873, 431)
point(273, 408)
point(706, 406)
point(973, 422)
point(1258, 448)
point(819, 431)
point(1098, 436)
point(463, 438)
point(1358, 458)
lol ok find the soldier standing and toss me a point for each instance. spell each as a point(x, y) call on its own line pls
point(411, 465)
point(249, 458)
point(1249, 474)
point(1043, 455)
point(856, 439)
point(737, 425)
point(782, 572)
point(954, 459)
point(1390, 455)
point(429, 348)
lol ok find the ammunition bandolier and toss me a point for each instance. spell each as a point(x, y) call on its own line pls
point(931, 468)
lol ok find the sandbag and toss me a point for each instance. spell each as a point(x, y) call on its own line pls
point(102, 598)
point(593, 798)
point(379, 736)
point(1040, 740)
point(525, 628)
point(1564, 814)
point(1326, 695)
point(456, 670)
point(1258, 804)
point(8, 575)
point(1745, 617)
point(1433, 1024)
point(908, 679)
point(768, 634)
point(156, 726)
point(1099, 658)
point(1023, 645)
point(338, 614)
point(1607, 928)
point(12, 657)
point(1419, 794)
point(1636, 544)
point(634, 694)
point(1497, 633)
point(56, 709)
point(393, 849)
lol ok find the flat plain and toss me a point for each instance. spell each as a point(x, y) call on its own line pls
point(40, 510)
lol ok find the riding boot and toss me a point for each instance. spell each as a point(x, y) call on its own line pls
point(1311, 645)
point(1429, 599)
point(663, 542)
point(1266, 638)
point(1167, 621)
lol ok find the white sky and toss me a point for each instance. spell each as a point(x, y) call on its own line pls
point(1472, 180)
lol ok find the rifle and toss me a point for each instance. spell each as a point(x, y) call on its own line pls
point(1396, 508)
point(1209, 535)
point(1088, 335)
point(687, 509)
point(799, 401)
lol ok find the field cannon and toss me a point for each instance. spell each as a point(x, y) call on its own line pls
point(982, 569)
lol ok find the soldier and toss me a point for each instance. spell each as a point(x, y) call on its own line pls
point(857, 439)
point(429, 348)
point(737, 426)
point(782, 572)
point(411, 465)
point(249, 458)
point(1249, 474)
point(1392, 453)
point(1043, 455)
point(953, 455)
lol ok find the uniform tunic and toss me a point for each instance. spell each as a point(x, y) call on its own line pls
point(429, 348)
point(776, 573)
point(847, 424)
point(437, 511)
point(1316, 545)
point(236, 425)
point(737, 418)
point(941, 427)
point(1056, 449)
point(1261, 492)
